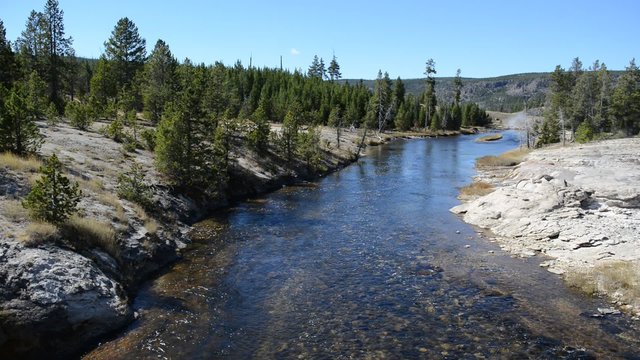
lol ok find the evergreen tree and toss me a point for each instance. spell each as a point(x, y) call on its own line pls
point(127, 50)
point(53, 198)
point(560, 106)
point(334, 69)
point(31, 45)
point(314, 69)
point(399, 92)
point(8, 66)
point(602, 116)
point(184, 147)
point(159, 80)
point(626, 100)
point(259, 134)
point(430, 94)
point(289, 134)
point(322, 71)
point(18, 131)
point(457, 83)
point(103, 87)
point(35, 96)
point(381, 102)
point(58, 50)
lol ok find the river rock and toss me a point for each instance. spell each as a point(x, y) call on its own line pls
point(47, 294)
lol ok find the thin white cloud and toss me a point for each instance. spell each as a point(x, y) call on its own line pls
point(295, 52)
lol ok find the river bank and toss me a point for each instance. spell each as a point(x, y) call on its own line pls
point(578, 205)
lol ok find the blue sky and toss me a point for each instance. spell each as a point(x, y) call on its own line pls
point(482, 38)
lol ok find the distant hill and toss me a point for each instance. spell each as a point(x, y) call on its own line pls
point(506, 93)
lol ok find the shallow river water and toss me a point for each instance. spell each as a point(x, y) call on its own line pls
point(366, 263)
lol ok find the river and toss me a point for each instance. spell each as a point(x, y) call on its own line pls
point(366, 263)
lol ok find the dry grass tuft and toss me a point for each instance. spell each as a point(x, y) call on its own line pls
point(38, 233)
point(18, 163)
point(509, 158)
point(13, 210)
point(477, 188)
point(152, 226)
point(113, 201)
point(619, 280)
point(95, 185)
point(92, 232)
point(140, 212)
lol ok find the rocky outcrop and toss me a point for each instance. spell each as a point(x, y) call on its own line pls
point(578, 204)
point(49, 291)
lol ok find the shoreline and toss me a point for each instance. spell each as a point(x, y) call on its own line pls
point(578, 205)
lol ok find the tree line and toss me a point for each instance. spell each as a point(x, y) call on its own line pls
point(587, 103)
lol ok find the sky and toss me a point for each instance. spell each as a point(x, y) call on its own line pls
point(482, 38)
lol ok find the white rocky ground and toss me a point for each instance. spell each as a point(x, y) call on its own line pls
point(578, 204)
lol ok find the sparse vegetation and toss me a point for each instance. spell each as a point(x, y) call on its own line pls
point(19, 163)
point(132, 186)
point(39, 232)
point(91, 232)
point(619, 280)
point(13, 210)
point(509, 158)
point(476, 188)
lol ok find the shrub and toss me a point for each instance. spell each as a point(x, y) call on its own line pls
point(80, 115)
point(53, 198)
point(584, 132)
point(131, 186)
point(149, 138)
point(308, 147)
point(115, 130)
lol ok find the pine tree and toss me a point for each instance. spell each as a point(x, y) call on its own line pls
point(399, 92)
point(53, 198)
point(430, 94)
point(18, 131)
point(334, 69)
point(31, 45)
point(289, 135)
point(58, 49)
point(159, 80)
point(184, 148)
point(626, 100)
point(259, 134)
point(127, 50)
point(322, 71)
point(8, 66)
point(314, 69)
point(457, 83)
